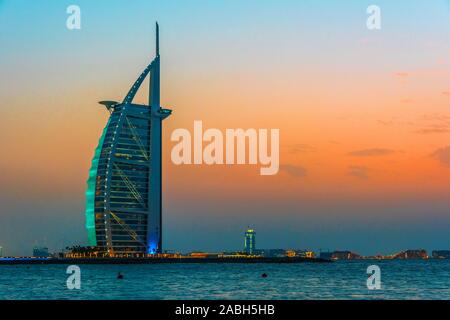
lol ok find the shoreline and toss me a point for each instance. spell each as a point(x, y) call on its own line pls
point(18, 261)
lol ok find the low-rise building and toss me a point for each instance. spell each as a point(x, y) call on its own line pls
point(271, 253)
point(40, 252)
point(441, 254)
point(204, 254)
point(305, 254)
point(325, 255)
point(412, 254)
point(344, 255)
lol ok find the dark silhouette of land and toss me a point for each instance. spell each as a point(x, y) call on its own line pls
point(150, 260)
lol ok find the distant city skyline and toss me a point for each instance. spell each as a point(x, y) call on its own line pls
point(363, 118)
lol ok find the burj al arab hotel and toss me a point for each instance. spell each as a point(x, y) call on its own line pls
point(123, 197)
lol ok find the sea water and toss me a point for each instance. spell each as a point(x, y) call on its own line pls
point(407, 279)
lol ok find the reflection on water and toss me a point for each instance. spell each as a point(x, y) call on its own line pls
point(341, 280)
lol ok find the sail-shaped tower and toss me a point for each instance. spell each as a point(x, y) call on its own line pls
point(124, 196)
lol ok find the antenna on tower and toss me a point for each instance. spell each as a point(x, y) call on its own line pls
point(157, 39)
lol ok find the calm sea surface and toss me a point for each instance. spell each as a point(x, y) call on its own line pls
point(339, 280)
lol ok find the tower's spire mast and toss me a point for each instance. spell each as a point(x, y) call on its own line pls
point(157, 39)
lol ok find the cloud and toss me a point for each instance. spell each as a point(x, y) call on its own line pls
point(358, 172)
point(402, 74)
point(434, 129)
point(446, 93)
point(301, 148)
point(434, 123)
point(386, 123)
point(295, 171)
point(402, 77)
point(371, 152)
point(406, 100)
point(395, 121)
point(436, 117)
point(443, 155)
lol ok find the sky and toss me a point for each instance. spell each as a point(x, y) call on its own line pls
point(364, 119)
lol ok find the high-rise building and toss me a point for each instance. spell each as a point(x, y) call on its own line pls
point(249, 243)
point(1, 251)
point(123, 197)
